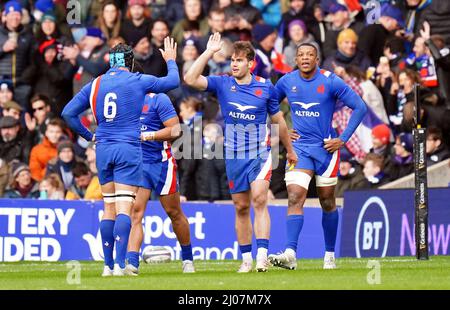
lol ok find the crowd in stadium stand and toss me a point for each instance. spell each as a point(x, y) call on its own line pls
point(381, 51)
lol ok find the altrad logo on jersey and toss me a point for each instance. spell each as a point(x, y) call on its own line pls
point(307, 106)
point(242, 108)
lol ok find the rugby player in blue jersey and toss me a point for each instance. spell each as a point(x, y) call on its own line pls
point(159, 126)
point(312, 94)
point(246, 102)
point(116, 99)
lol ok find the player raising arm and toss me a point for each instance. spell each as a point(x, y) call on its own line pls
point(116, 99)
point(312, 94)
point(245, 101)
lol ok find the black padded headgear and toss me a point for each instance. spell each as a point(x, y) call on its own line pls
point(121, 55)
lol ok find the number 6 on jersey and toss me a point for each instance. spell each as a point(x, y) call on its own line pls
point(110, 114)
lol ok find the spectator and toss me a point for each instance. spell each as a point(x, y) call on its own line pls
point(63, 164)
point(15, 56)
point(193, 13)
point(437, 14)
point(370, 93)
point(136, 26)
point(53, 187)
point(403, 161)
point(86, 186)
point(264, 37)
point(51, 76)
point(6, 92)
point(414, 10)
point(216, 23)
point(41, 115)
point(296, 11)
point(88, 57)
point(160, 30)
point(401, 93)
point(347, 53)
point(298, 34)
point(109, 20)
point(4, 176)
point(91, 157)
point(48, 30)
point(15, 144)
point(150, 58)
point(381, 137)
point(350, 175)
point(421, 61)
point(22, 185)
point(441, 55)
point(374, 36)
point(340, 20)
point(13, 109)
point(243, 12)
point(193, 186)
point(437, 151)
point(373, 171)
point(43, 152)
point(237, 27)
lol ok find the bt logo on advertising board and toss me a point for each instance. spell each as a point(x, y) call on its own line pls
point(372, 229)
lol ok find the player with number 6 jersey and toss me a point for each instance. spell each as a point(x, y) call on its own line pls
point(116, 99)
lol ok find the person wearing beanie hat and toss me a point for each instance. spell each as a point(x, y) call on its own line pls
point(298, 34)
point(381, 135)
point(350, 174)
point(261, 31)
point(12, 6)
point(62, 165)
point(22, 185)
point(136, 2)
point(264, 37)
point(403, 161)
point(347, 53)
point(42, 7)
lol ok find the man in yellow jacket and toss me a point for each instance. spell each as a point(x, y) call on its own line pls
point(86, 184)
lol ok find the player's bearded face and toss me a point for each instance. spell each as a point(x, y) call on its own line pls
point(240, 66)
point(307, 59)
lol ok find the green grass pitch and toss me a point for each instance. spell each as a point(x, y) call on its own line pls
point(395, 273)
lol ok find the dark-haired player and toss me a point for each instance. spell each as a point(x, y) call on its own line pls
point(312, 94)
point(116, 99)
point(246, 102)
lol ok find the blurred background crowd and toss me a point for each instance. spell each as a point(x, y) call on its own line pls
point(50, 48)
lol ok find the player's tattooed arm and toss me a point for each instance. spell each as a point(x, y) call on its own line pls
point(194, 75)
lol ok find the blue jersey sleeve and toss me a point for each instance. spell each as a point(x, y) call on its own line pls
point(273, 104)
point(165, 108)
point(74, 108)
point(152, 84)
point(344, 93)
point(214, 83)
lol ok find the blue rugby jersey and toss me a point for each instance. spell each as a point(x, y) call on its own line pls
point(156, 110)
point(245, 109)
point(313, 103)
